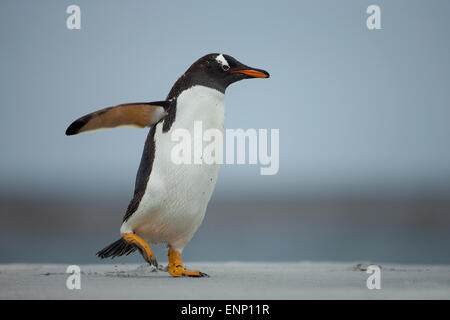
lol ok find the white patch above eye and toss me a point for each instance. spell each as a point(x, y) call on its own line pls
point(221, 59)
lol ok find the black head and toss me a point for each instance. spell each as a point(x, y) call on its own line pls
point(216, 71)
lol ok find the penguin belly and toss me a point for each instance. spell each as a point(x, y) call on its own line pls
point(176, 196)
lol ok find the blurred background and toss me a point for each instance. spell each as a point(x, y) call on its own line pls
point(363, 118)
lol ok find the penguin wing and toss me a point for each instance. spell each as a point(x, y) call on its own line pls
point(138, 114)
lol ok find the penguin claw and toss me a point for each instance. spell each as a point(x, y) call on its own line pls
point(188, 273)
point(153, 262)
point(142, 246)
point(201, 275)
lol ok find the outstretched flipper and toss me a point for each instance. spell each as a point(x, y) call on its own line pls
point(138, 114)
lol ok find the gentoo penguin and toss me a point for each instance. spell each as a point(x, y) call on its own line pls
point(170, 200)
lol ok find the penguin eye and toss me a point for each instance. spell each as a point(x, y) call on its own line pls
point(225, 67)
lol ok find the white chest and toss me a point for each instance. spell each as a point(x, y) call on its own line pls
point(200, 104)
point(177, 195)
point(193, 105)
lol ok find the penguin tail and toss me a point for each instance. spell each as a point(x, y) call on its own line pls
point(115, 249)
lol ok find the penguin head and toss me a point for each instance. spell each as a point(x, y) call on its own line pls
point(218, 71)
point(227, 70)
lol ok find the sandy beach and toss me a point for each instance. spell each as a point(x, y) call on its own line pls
point(230, 280)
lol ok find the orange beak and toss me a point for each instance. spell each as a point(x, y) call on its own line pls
point(252, 73)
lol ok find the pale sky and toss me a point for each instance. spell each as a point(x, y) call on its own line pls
point(356, 109)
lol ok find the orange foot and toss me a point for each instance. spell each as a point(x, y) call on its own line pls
point(143, 247)
point(176, 268)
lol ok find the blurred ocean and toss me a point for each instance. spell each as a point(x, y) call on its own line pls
point(246, 229)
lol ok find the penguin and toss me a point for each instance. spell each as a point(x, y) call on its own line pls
point(170, 200)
